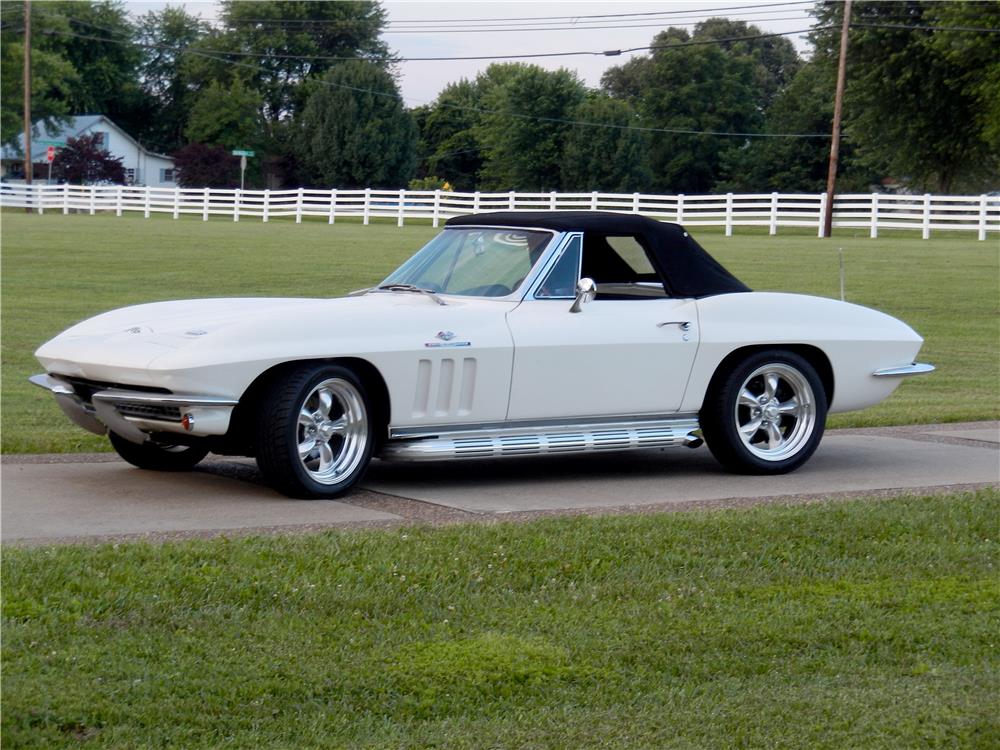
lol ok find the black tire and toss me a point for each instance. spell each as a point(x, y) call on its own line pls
point(157, 456)
point(345, 427)
point(748, 418)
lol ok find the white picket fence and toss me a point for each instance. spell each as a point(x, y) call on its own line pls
point(923, 213)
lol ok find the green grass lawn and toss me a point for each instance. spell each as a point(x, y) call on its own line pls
point(60, 269)
point(861, 624)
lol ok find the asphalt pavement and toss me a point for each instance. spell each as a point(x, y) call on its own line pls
point(74, 498)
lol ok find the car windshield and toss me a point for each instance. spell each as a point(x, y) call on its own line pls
point(476, 262)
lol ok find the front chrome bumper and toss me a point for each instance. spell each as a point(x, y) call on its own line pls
point(136, 414)
point(915, 368)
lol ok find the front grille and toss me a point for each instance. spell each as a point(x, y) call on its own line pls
point(148, 411)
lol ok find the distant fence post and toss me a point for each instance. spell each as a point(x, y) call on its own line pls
point(298, 206)
point(401, 207)
point(93, 199)
point(873, 231)
point(822, 214)
point(65, 192)
point(983, 203)
point(118, 200)
point(926, 233)
point(680, 208)
point(145, 204)
point(435, 217)
point(177, 201)
point(333, 206)
point(593, 201)
point(773, 228)
point(267, 206)
point(512, 201)
point(366, 211)
point(729, 214)
point(236, 205)
point(475, 202)
point(40, 192)
point(552, 201)
point(635, 203)
point(204, 204)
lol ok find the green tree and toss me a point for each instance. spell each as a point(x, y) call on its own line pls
point(523, 128)
point(228, 117)
point(797, 164)
point(448, 140)
point(283, 43)
point(450, 127)
point(921, 99)
point(166, 37)
point(708, 89)
point(53, 76)
point(608, 159)
point(354, 130)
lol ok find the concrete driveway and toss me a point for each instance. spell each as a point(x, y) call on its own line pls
point(98, 497)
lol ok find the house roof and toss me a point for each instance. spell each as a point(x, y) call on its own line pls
point(74, 126)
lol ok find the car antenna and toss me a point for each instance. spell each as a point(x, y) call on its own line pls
point(841, 251)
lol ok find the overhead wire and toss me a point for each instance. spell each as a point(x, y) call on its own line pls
point(392, 59)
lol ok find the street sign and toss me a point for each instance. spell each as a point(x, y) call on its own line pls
point(50, 154)
point(51, 143)
point(242, 152)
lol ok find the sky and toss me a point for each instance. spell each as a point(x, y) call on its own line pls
point(421, 81)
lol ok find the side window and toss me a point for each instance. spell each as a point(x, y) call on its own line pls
point(620, 266)
point(561, 280)
point(630, 251)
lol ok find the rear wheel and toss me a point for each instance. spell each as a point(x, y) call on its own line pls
point(766, 415)
point(314, 432)
point(157, 456)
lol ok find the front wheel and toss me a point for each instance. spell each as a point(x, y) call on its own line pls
point(314, 432)
point(766, 415)
point(157, 456)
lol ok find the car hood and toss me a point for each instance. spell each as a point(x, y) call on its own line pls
point(201, 331)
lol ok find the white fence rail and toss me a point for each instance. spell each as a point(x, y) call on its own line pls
point(875, 212)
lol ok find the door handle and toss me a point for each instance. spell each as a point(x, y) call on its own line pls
point(684, 324)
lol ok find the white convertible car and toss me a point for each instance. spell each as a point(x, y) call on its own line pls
point(509, 334)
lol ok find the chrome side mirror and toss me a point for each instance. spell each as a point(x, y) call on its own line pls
point(586, 290)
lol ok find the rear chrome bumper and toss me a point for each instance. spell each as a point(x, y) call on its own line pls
point(136, 414)
point(915, 368)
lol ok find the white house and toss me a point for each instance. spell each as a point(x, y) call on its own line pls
point(142, 166)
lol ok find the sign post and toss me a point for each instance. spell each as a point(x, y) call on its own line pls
point(50, 155)
point(243, 154)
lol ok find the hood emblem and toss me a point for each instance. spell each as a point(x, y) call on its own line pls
point(134, 329)
point(445, 335)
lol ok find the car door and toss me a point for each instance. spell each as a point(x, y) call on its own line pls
point(625, 354)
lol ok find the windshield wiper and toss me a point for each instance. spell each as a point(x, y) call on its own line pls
point(401, 288)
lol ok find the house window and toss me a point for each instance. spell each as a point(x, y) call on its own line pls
point(130, 176)
point(167, 175)
point(102, 138)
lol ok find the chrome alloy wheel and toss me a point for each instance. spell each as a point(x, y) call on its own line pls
point(332, 431)
point(775, 412)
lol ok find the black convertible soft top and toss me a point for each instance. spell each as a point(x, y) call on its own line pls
point(682, 264)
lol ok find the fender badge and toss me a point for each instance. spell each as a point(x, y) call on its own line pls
point(446, 344)
point(445, 335)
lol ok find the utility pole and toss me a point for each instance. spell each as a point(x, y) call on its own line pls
point(838, 105)
point(28, 166)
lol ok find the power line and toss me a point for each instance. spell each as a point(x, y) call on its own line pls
point(567, 18)
point(325, 58)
